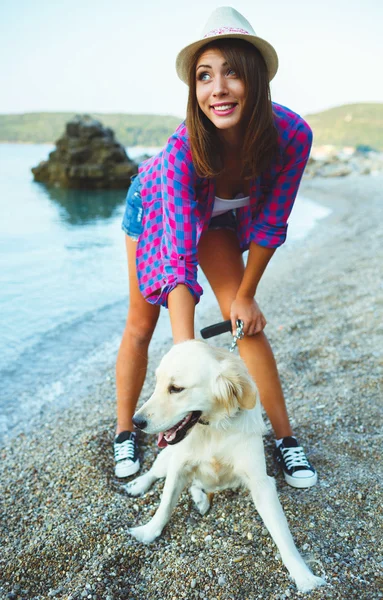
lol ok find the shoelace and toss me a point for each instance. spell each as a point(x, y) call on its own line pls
point(124, 450)
point(295, 457)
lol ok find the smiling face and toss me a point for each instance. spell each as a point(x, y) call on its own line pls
point(221, 94)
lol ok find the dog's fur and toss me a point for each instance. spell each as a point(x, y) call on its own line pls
point(224, 449)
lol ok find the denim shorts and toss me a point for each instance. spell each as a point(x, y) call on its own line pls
point(132, 220)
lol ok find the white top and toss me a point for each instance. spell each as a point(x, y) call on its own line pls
point(221, 205)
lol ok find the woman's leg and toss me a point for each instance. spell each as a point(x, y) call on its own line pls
point(220, 258)
point(132, 357)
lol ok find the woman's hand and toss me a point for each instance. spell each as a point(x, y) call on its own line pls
point(247, 310)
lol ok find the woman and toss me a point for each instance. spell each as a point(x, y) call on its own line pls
point(225, 183)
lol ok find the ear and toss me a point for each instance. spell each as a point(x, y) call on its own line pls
point(249, 392)
point(234, 386)
point(225, 391)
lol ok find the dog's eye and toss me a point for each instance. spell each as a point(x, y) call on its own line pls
point(173, 389)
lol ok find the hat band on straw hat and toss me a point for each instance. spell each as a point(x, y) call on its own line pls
point(225, 30)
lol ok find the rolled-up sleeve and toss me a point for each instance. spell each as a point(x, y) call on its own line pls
point(269, 228)
point(179, 242)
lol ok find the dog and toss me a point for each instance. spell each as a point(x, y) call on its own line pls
point(206, 409)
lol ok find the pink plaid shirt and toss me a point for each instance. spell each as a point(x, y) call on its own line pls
point(177, 207)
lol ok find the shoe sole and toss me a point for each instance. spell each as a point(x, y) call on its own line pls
point(302, 482)
point(122, 471)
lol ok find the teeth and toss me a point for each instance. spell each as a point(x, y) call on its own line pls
point(224, 107)
point(171, 433)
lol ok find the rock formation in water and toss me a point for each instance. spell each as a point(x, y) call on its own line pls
point(86, 157)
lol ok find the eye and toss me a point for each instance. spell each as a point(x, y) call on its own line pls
point(231, 72)
point(203, 76)
point(173, 389)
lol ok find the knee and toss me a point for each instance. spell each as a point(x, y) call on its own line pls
point(140, 331)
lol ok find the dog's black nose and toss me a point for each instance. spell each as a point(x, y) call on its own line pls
point(139, 422)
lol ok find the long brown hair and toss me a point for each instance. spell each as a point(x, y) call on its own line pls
point(260, 138)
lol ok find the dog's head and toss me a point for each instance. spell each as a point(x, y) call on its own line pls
point(195, 382)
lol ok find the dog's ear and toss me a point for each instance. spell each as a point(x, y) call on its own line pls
point(249, 392)
point(234, 386)
point(225, 391)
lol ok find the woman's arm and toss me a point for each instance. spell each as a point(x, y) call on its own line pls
point(269, 228)
point(244, 306)
point(181, 306)
point(257, 262)
point(179, 220)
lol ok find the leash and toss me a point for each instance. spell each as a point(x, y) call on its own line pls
point(224, 327)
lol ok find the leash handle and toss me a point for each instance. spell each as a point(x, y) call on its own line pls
point(223, 327)
point(216, 329)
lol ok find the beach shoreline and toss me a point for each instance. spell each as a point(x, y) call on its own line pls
point(64, 518)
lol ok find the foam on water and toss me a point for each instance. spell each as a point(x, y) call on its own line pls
point(304, 217)
point(66, 364)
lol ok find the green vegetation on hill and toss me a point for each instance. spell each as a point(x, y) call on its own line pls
point(130, 130)
point(349, 125)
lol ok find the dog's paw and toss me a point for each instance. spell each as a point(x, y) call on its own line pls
point(137, 487)
point(201, 500)
point(145, 533)
point(308, 582)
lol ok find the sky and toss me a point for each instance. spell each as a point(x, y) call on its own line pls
point(119, 56)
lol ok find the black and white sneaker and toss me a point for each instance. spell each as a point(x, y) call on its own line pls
point(126, 454)
point(297, 470)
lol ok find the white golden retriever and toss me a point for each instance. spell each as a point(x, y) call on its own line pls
point(206, 410)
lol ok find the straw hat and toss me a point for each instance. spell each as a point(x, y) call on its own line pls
point(226, 22)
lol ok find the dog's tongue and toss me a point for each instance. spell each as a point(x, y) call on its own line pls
point(161, 442)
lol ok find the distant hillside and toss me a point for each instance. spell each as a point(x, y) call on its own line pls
point(130, 130)
point(349, 125)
